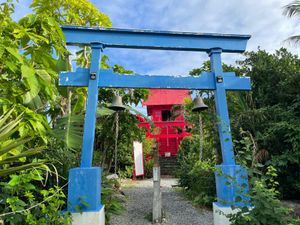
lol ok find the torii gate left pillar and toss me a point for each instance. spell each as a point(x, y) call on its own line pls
point(84, 182)
point(84, 196)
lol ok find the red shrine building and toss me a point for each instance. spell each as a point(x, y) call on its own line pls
point(172, 130)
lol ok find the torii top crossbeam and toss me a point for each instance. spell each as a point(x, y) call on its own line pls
point(94, 78)
point(160, 40)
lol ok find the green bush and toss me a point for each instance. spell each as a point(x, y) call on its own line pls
point(25, 201)
point(195, 176)
point(111, 198)
point(148, 146)
point(266, 208)
point(202, 186)
point(148, 168)
point(126, 172)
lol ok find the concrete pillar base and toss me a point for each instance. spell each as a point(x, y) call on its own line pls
point(89, 218)
point(220, 213)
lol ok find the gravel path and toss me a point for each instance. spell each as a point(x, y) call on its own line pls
point(178, 210)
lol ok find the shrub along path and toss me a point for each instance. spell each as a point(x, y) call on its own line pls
point(178, 210)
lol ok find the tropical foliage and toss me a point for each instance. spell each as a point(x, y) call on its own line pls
point(13, 153)
point(265, 129)
point(37, 115)
point(265, 205)
point(196, 176)
point(293, 10)
point(27, 200)
point(273, 117)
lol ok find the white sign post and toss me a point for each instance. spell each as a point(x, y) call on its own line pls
point(138, 158)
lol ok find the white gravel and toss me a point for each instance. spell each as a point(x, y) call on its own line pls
point(178, 211)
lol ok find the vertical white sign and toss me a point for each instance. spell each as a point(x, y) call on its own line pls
point(138, 158)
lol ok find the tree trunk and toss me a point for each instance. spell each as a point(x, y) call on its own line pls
point(201, 137)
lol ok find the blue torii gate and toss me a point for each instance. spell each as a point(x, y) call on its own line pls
point(85, 181)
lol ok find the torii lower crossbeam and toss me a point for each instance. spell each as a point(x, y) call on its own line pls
point(109, 79)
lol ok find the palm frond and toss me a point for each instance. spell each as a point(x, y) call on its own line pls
point(141, 114)
point(10, 161)
point(104, 111)
point(15, 143)
point(7, 128)
point(176, 111)
point(292, 9)
point(14, 169)
point(5, 116)
point(30, 152)
point(294, 39)
point(69, 129)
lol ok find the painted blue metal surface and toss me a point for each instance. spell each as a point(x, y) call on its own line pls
point(222, 110)
point(91, 108)
point(227, 190)
point(147, 39)
point(108, 78)
point(84, 190)
point(232, 185)
point(84, 181)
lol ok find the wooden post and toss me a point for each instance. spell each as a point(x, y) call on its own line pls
point(157, 209)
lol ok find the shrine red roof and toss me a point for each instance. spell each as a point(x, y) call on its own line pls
point(166, 97)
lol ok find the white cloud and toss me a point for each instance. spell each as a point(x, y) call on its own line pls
point(262, 19)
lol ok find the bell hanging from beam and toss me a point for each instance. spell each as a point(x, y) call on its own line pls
point(199, 105)
point(117, 104)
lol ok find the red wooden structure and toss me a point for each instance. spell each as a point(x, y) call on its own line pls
point(159, 105)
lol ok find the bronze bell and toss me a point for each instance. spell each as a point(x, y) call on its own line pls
point(199, 105)
point(117, 104)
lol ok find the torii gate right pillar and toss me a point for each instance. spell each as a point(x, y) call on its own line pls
point(231, 179)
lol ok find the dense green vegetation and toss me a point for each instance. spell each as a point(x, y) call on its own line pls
point(267, 208)
point(41, 123)
point(196, 176)
point(274, 119)
point(265, 127)
point(38, 117)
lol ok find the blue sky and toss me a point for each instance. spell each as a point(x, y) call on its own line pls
point(262, 19)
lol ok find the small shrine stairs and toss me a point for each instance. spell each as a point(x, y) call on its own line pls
point(168, 165)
